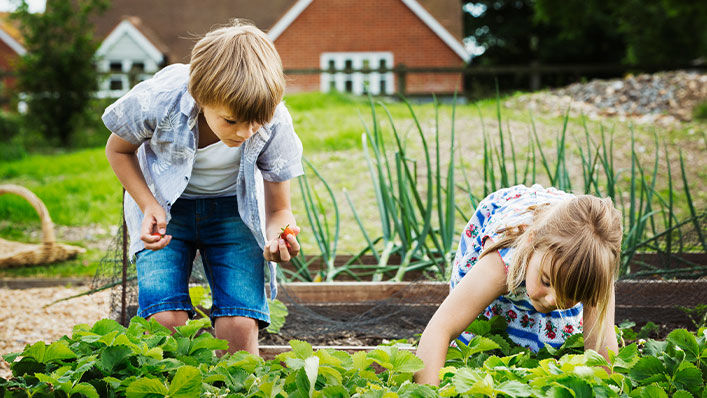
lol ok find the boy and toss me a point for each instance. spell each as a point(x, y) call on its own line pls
point(191, 146)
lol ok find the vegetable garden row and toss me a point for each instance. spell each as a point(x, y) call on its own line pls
point(145, 360)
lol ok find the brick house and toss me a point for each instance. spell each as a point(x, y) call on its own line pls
point(11, 49)
point(309, 34)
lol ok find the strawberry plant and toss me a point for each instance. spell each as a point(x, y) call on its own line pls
point(145, 360)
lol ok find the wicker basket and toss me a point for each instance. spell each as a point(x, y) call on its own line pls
point(15, 254)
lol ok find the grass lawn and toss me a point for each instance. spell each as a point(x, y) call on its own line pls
point(83, 195)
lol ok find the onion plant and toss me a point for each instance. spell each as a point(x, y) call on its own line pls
point(417, 210)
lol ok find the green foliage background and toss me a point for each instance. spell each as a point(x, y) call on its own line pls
point(58, 73)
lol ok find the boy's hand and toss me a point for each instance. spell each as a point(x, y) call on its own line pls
point(154, 227)
point(283, 247)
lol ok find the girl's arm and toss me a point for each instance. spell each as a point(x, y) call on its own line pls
point(591, 329)
point(484, 282)
point(278, 215)
point(122, 158)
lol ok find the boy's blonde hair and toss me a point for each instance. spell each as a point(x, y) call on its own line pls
point(581, 240)
point(238, 67)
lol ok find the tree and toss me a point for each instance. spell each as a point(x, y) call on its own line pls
point(58, 73)
point(550, 31)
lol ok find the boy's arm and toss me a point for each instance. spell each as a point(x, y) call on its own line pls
point(122, 158)
point(591, 329)
point(484, 282)
point(278, 215)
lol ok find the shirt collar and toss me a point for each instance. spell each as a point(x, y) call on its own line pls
point(188, 105)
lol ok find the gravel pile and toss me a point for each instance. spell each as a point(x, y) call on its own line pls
point(666, 98)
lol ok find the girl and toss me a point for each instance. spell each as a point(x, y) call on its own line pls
point(542, 258)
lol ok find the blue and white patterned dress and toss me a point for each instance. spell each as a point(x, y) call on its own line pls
point(506, 208)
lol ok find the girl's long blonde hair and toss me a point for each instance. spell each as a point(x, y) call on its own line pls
point(581, 239)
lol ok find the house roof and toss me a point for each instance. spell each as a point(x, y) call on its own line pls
point(420, 11)
point(178, 24)
point(10, 33)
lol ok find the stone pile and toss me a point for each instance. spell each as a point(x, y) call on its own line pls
point(664, 98)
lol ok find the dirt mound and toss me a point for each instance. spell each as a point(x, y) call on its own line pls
point(665, 98)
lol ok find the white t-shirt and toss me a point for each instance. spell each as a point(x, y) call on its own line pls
point(215, 171)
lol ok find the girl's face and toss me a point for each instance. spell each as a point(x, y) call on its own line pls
point(230, 131)
point(537, 283)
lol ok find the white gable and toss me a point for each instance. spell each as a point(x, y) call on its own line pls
point(127, 42)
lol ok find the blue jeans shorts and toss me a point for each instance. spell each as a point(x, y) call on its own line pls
point(232, 259)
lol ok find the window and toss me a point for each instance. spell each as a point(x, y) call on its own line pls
point(116, 66)
point(138, 67)
point(116, 83)
point(357, 73)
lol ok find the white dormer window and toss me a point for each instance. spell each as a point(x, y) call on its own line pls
point(127, 57)
point(341, 76)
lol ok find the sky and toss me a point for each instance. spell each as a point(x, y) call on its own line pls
point(10, 5)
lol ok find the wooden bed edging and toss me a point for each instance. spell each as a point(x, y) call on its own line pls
point(628, 292)
point(639, 301)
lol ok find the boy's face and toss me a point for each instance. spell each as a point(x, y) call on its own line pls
point(537, 283)
point(230, 131)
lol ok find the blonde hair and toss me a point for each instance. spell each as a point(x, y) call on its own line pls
point(237, 66)
point(581, 239)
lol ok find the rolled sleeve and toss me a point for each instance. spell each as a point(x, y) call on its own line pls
point(281, 158)
point(129, 117)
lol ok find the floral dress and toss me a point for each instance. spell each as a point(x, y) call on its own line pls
point(504, 208)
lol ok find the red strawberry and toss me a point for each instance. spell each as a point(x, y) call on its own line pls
point(287, 231)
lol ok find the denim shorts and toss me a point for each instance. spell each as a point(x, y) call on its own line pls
point(233, 262)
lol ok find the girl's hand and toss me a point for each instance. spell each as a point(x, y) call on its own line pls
point(283, 247)
point(153, 228)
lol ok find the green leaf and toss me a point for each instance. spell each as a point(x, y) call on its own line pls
point(186, 383)
point(361, 361)
point(651, 391)
point(481, 344)
point(192, 327)
point(35, 351)
point(682, 394)
point(208, 342)
point(688, 377)
point(465, 379)
point(405, 361)
point(10, 358)
point(514, 388)
point(111, 357)
point(648, 370)
point(278, 313)
point(105, 326)
point(593, 358)
point(686, 341)
point(57, 351)
point(146, 388)
point(84, 389)
point(628, 356)
point(480, 327)
point(335, 392)
point(302, 349)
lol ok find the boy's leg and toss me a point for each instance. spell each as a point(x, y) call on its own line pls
point(234, 265)
point(240, 332)
point(170, 319)
point(163, 275)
